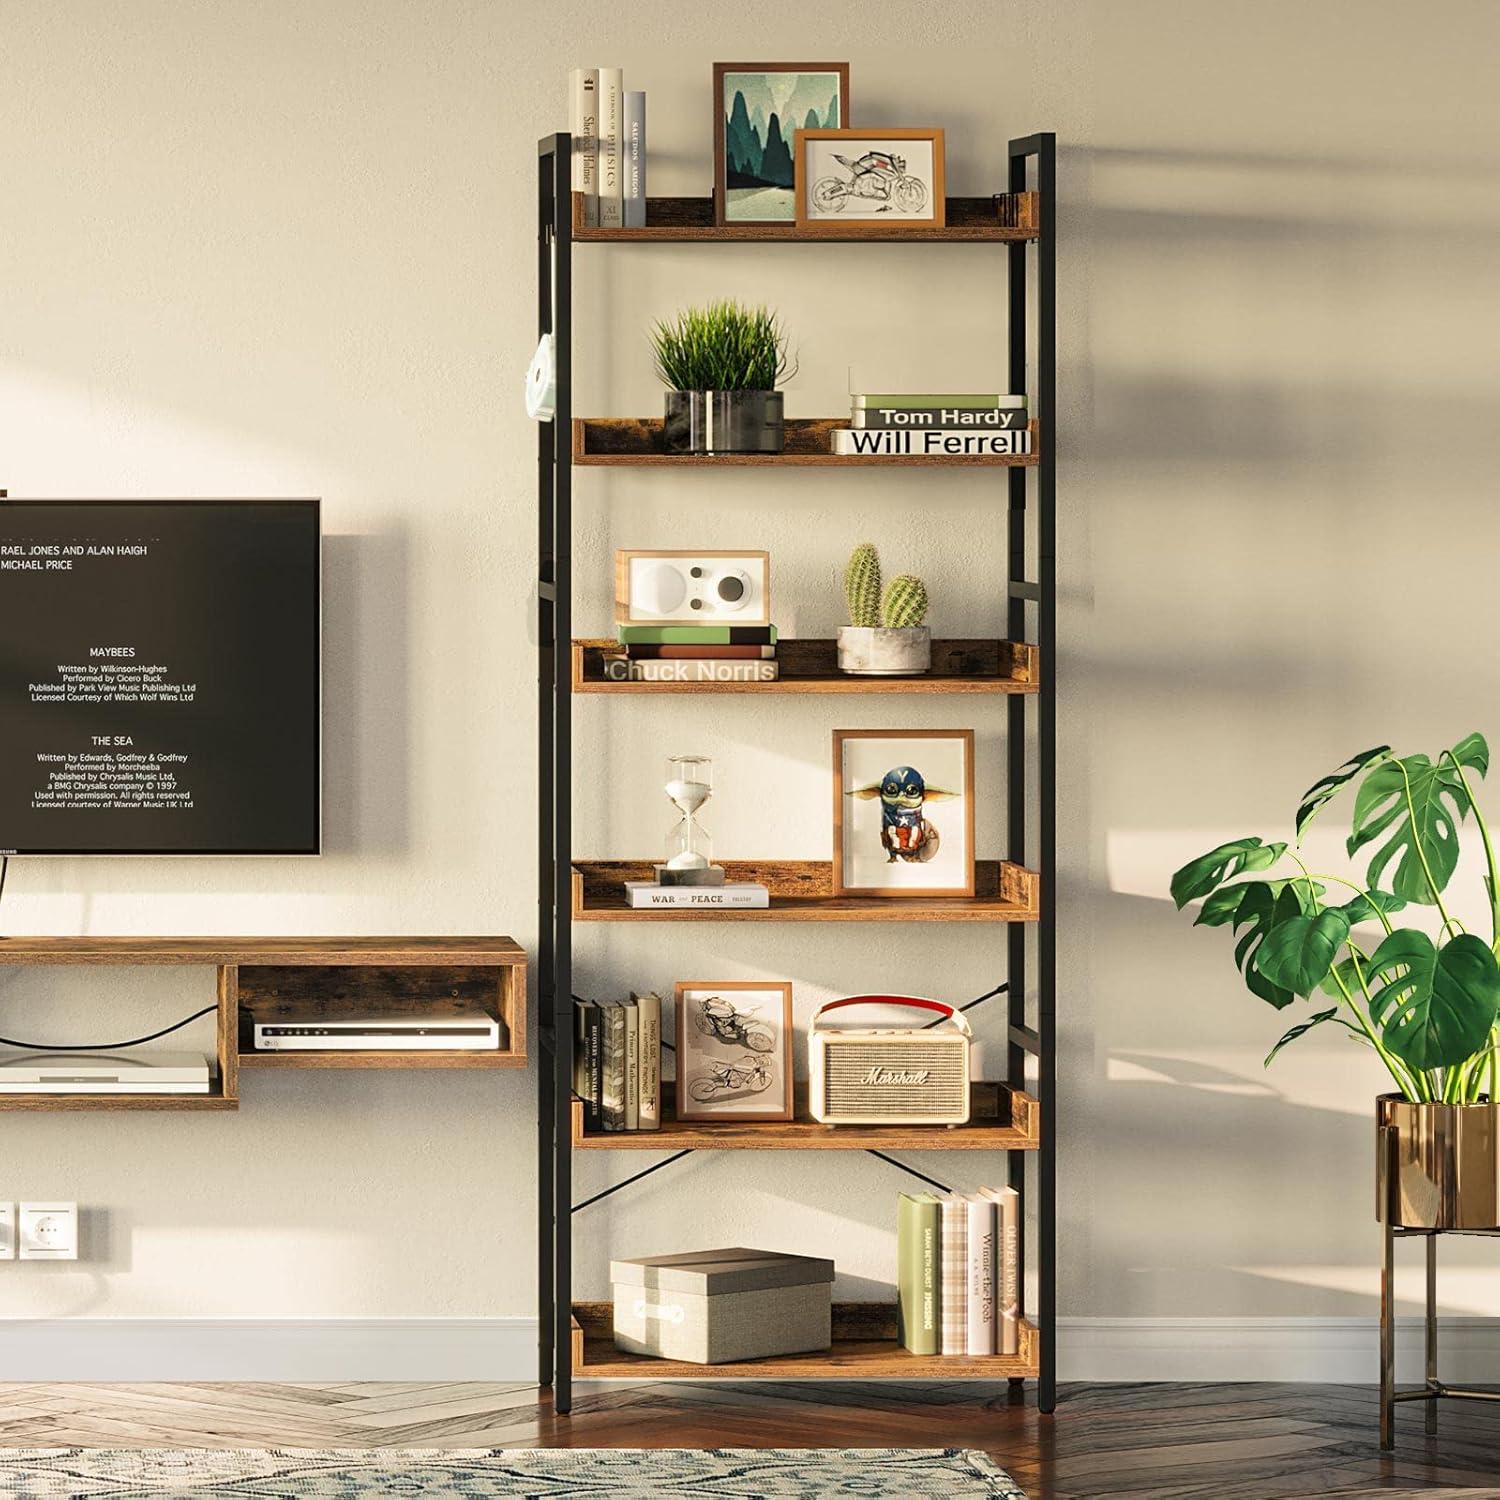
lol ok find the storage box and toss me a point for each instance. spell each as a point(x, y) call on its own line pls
point(711, 1307)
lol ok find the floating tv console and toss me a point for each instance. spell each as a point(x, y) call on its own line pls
point(321, 979)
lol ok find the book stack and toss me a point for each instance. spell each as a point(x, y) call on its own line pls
point(693, 653)
point(617, 1062)
point(918, 426)
point(608, 126)
point(958, 1272)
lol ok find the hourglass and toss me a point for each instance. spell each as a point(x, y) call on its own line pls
point(690, 783)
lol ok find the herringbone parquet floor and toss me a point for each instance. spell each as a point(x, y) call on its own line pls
point(1225, 1442)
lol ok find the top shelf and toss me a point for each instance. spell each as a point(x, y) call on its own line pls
point(287, 951)
point(1004, 218)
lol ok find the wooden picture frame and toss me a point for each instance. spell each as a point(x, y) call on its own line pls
point(721, 111)
point(731, 1041)
point(846, 825)
point(806, 180)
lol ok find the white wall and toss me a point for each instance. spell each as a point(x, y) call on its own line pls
point(286, 249)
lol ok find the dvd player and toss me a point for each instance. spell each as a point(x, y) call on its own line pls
point(473, 1031)
point(103, 1073)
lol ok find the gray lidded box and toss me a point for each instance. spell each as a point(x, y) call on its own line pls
point(712, 1307)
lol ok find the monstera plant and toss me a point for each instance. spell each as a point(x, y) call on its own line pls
point(1425, 998)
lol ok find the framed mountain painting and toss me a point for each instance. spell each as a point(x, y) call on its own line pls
point(758, 110)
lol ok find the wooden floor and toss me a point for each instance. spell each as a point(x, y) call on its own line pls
point(1229, 1442)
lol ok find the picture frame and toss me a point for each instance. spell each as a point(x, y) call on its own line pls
point(734, 1050)
point(893, 178)
point(744, 191)
point(873, 830)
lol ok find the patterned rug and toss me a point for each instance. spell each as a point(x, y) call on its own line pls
point(544, 1473)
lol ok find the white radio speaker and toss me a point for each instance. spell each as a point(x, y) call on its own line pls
point(692, 588)
point(910, 1075)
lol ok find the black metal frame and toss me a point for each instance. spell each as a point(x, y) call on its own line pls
point(1034, 155)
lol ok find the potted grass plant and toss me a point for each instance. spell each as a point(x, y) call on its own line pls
point(885, 636)
point(1424, 998)
point(721, 365)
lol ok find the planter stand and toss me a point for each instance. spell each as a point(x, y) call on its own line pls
point(1432, 1389)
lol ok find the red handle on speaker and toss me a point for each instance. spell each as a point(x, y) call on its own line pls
point(947, 1012)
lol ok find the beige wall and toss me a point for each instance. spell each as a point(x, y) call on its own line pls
point(287, 249)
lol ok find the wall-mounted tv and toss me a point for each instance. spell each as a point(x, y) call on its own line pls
point(160, 677)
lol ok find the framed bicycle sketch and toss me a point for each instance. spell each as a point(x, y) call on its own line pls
point(734, 1050)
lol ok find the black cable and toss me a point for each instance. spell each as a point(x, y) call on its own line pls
point(207, 1010)
point(4, 871)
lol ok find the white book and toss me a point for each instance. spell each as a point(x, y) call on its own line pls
point(583, 125)
point(635, 159)
point(611, 159)
point(1007, 1269)
point(982, 1242)
point(954, 1302)
point(640, 893)
point(904, 443)
point(866, 401)
point(650, 1060)
point(632, 1064)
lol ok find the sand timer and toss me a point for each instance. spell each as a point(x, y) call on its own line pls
point(690, 783)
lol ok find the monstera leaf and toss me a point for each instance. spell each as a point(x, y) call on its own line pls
point(1418, 833)
point(1435, 1006)
point(1261, 910)
point(1299, 950)
point(1321, 791)
point(1368, 905)
point(1211, 870)
point(1303, 1027)
point(1224, 903)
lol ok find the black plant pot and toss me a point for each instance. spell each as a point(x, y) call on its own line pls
point(723, 422)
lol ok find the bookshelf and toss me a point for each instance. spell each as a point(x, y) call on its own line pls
point(1014, 1115)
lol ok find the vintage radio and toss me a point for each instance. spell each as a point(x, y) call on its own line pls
point(693, 588)
point(910, 1075)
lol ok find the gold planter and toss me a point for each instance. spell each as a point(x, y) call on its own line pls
point(1438, 1164)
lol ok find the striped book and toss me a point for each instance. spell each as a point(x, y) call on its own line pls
point(955, 1254)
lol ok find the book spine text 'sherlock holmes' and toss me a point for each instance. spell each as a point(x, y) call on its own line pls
point(583, 123)
point(890, 444)
point(987, 418)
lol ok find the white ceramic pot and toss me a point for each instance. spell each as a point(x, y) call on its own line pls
point(874, 651)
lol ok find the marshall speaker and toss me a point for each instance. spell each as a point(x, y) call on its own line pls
point(910, 1075)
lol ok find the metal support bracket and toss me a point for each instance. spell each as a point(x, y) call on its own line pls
point(578, 1208)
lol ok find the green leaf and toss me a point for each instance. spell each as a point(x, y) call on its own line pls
point(1322, 791)
point(1299, 951)
point(1211, 870)
point(1368, 906)
point(1427, 830)
point(1303, 1027)
point(1261, 910)
point(1223, 904)
point(1344, 968)
point(1472, 752)
point(1435, 1006)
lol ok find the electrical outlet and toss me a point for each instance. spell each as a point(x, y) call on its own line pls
point(7, 1231)
point(49, 1231)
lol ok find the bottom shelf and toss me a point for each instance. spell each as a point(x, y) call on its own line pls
point(864, 1348)
point(93, 1102)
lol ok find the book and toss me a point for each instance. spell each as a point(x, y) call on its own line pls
point(635, 159)
point(953, 1242)
point(649, 1006)
point(918, 1290)
point(982, 417)
point(643, 652)
point(612, 1089)
point(593, 1098)
point(982, 1237)
point(632, 1118)
point(1007, 1269)
point(740, 893)
point(907, 444)
point(583, 125)
point(623, 669)
point(611, 162)
point(697, 635)
point(864, 400)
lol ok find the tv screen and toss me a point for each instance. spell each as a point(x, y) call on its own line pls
point(160, 677)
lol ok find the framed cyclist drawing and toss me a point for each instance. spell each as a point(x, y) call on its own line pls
point(860, 177)
point(734, 1050)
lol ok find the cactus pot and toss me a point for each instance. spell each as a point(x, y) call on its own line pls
point(723, 422)
point(875, 651)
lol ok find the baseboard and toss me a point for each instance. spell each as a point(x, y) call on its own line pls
point(504, 1349)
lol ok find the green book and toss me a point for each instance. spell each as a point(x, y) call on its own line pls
point(924, 403)
point(698, 635)
point(919, 1271)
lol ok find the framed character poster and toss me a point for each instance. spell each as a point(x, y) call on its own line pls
point(734, 1050)
point(903, 812)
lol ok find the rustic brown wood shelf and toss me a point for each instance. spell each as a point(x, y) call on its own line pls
point(306, 977)
point(637, 442)
point(811, 666)
point(1000, 1119)
point(802, 891)
point(1002, 219)
point(864, 1348)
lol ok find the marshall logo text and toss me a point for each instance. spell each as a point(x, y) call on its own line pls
point(879, 1076)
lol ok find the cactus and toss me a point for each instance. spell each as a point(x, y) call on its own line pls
point(862, 585)
point(903, 606)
